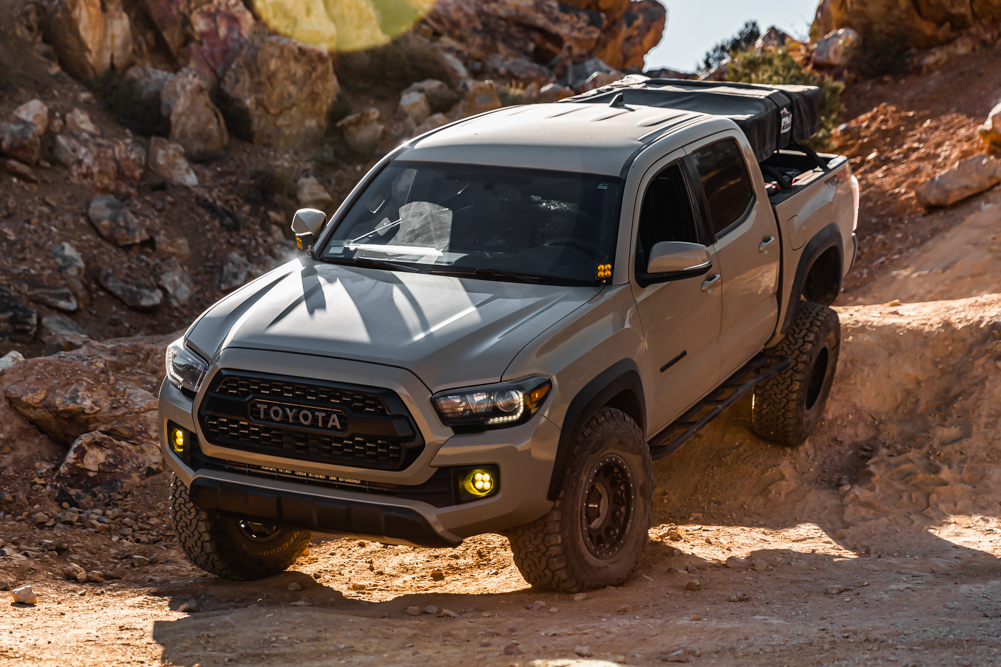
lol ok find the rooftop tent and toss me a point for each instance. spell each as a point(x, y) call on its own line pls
point(772, 117)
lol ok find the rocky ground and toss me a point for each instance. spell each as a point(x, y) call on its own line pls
point(876, 541)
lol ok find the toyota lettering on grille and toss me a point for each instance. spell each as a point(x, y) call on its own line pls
point(298, 416)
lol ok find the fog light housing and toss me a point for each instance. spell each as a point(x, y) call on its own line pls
point(181, 441)
point(477, 483)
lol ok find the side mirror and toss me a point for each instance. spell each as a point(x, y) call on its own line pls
point(306, 225)
point(672, 260)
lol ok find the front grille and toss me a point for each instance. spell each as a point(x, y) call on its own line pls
point(372, 429)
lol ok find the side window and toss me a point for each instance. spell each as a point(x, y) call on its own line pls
point(725, 181)
point(667, 214)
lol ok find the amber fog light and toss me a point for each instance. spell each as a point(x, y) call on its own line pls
point(179, 439)
point(477, 483)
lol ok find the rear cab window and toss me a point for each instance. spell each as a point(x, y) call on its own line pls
point(725, 182)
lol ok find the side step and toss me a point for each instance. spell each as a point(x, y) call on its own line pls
point(758, 369)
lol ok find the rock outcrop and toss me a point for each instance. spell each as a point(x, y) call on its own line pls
point(966, 179)
point(91, 36)
point(195, 122)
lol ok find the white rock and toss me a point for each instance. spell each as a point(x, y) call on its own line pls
point(36, 113)
point(166, 158)
point(416, 105)
point(837, 48)
point(78, 122)
point(10, 359)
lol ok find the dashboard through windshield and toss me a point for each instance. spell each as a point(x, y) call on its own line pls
point(498, 223)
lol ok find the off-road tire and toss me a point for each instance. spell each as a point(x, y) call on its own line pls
point(787, 407)
point(219, 546)
point(551, 553)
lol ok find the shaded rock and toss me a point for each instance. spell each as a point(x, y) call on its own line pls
point(222, 214)
point(402, 126)
point(362, 131)
point(78, 122)
point(97, 459)
point(579, 73)
point(166, 158)
point(115, 222)
point(553, 92)
point(433, 122)
point(311, 194)
point(135, 294)
point(416, 105)
point(17, 321)
point(111, 166)
point(966, 179)
point(74, 572)
point(234, 272)
point(740, 597)
point(149, 81)
point(190, 607)
point(774, 38)
point(36, 113)
point(106, 388)
point(439, 96)
point(693, 585)
point(280, 92)
point(61, 334)
point(168, 22)
point(738, 563)
point(220, 27)
point(9, 359)
point(836, 49)
point(20, 170)
point(19, 141)
point(168, 245)
point(59, 298)
point(294, 586)
point(68, 259)
point(480, 98)
point(195, 122)
point(990, 132)
point(519, 69)
point(118, 36)
point(176, 282)
point(91, 36)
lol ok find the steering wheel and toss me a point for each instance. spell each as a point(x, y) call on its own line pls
point(569, 241)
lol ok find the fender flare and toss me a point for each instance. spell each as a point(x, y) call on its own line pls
point(827, 238)
point(621, 376)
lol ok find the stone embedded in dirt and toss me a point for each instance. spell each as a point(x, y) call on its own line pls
point(553, 92)
point(437, 575)
point(39, 517)
point(990, 131)
point(416, 105)
point(61, 334)
point(166, 158)
point(582, 651)
point(674, 535)
point(294, 587)
point(68, 259)
point(674, 656)
point(19, 141)
point(20, 170)
point(554, 610)
point(234, 272)
point(624, 609)
point(430, 610)
point(693, 585)
point(95, 577)
point(168, 245)
point(448, 613)
point(480, 98)
point(24, 595)
point(280, 92)
point(413, 611)
point(362, 131)
point(176, 282)
point(190, 607)
point(107, 165)
point(9, 359)
point(836, 589)
point(115, 222)
point(439, 96)
point(579, 597)
point(512, 649)
point(134, 294)
point(97, 459)
point(17, 321)
point(36, 113)
point(74, 572)
point(311, 194)
point(740, 597)
point(966, 179)
point(195, 122)
point(691, 569)
point(78, 122)
point(837, 48)
point(738, 563)
point(59, 298)
point(433, 122)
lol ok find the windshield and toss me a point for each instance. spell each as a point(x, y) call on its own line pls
point(499, 223)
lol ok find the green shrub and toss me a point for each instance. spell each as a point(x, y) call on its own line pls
point(777, 66)
point(743, 40)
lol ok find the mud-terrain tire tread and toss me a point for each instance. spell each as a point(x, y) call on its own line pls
point(540, 548)
point(205, 540)
point(778, 412)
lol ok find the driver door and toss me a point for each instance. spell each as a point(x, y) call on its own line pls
point(681, 317)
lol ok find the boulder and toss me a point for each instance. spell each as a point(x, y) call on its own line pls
point(439, 96)
point(36, 113)
point(115, 222)
point(8, 360)
point(134, 293)
point(176, 282)
point(416, 105)
point(433, 122)
point(17, 321)
point(166, 158)
point(78, 122)
point(20, 170)
point(966, 179)
point(167, 17)
point(100, 460)
point(107, 165)
point(220, 28)
point(19, 141)
point(578, 73)
point(362, 131)
point(58, 298)
point(280, 92)
point(626, 41)
point(837, 48)
point(61, 334)
point(195, 122)
point(78, 32)
point(990, 131)
point(149, 81)
point(480, 98)
point(311, 194)
point(234, 272)
point(118, 35)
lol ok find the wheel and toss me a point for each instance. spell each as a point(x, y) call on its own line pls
point(233, 548)
point(787, 407)
point(595, 533)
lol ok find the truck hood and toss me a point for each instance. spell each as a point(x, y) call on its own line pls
point(448, 331)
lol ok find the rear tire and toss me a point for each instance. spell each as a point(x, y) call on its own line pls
point(787, 407)
point(595, 533)
point(232, 548)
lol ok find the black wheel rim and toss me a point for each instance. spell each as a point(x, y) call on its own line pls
point(607, 506)
point(817, 376)
point(258, 532)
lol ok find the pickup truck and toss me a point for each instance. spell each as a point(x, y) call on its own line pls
point(507, 321)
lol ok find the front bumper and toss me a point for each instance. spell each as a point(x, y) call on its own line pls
point(523, 455)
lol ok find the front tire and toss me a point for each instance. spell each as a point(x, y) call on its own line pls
point(595, 533)
point(233, 548)
point(787, 407)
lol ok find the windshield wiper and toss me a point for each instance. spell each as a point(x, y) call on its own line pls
point(487, 274)
point(369, 263)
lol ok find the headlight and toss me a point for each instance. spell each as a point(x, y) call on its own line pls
point(185, 369)
point(493, 406)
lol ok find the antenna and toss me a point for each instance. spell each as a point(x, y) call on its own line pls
point(618, 101)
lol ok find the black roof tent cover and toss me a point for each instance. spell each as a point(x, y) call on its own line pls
point(772, 117)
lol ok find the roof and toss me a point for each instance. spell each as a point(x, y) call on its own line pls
point(591, 138)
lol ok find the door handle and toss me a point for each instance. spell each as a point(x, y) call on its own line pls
point(710, 282)
point(766, 243)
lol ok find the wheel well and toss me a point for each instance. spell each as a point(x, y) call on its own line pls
point(823, 282)
point(627, 402)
